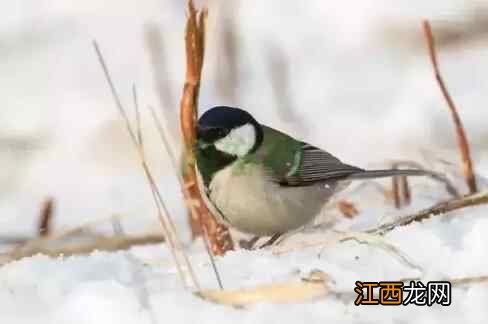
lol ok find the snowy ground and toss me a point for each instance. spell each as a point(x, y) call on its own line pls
point(328, 72)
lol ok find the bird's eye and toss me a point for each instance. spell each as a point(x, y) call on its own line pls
point(216, 133)
point(211, 134)
point(223, 132)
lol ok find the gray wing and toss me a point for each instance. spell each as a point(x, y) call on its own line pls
point(317, 165)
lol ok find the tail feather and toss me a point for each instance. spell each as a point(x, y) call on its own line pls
point(370, 174)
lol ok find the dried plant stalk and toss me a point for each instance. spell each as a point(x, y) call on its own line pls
point(396, 192)
point(166, 222)
point(401, 189)
point(407, 196)
point(46, 217)
point(289, 292)
point(462, 140)
point(438, 209)
point(218, 234)
point(450, 188)
point(468, 280)
point(115, 243)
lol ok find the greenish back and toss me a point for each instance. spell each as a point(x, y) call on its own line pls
point(279, 153)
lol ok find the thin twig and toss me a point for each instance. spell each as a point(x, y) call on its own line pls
point(395, 188)
point(407, 195)
point(163, 131)
point(100, 243)
point(462, 140)
point(138, 116)
point(468, 280)
point(46, 217)
point(163, 135)
point(332, 238)
point(401, 189)
point(155, 191)
point(27, 242)
point(450, 188)
point(163, 214)
point(455, 281)
point(438, 209)
point(14, 239)
point(380, 242)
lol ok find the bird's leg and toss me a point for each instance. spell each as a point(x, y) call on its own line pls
point(271, 241)
point(249, 244)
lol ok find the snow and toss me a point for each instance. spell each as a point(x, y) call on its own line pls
point(102, 288)
point(346, 86)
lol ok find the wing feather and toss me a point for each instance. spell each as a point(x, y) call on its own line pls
point(317, 165)
point(289, 162)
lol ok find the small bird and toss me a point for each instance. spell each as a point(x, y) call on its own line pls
point(264, 182)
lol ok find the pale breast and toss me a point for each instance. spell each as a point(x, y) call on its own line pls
point(254, 204)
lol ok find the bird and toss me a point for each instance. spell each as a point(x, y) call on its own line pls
point(264, 182)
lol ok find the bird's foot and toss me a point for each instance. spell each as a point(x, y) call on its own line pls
point(249, 244)
point(271, 240)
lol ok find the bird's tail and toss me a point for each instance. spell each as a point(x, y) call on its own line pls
point(370, 174)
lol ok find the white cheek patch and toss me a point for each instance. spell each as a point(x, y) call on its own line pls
point(239, 141)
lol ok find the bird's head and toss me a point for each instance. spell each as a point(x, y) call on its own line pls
point(231, 131)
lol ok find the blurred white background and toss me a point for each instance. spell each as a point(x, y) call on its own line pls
point(351, 76)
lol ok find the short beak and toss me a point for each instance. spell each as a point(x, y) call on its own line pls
point(200, 136)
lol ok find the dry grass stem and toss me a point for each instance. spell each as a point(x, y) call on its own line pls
point(461, 281)
point(167, 224)
point(407, 195)
point(439, 177)
point(395, 189)
point(162, 131)
point(438, 209)
point(462, 140)
point(401, 189)
point(290, 292)
point(468, 280)
point(14, 239)
point(138, 117)
point(332, 238)
point(33, 241)
point(380, 242)
point(46, 217)
point(97, 244)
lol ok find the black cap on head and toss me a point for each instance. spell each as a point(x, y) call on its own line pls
point(218, 121)
point(225, 117)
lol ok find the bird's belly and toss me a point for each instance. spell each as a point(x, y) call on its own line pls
point(252, 203)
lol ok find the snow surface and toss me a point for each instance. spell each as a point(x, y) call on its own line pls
point(346, 89)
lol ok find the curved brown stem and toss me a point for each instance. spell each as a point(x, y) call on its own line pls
point(462, 140)
point(218, 234)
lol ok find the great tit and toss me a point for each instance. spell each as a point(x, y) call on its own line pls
point(263, 182)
